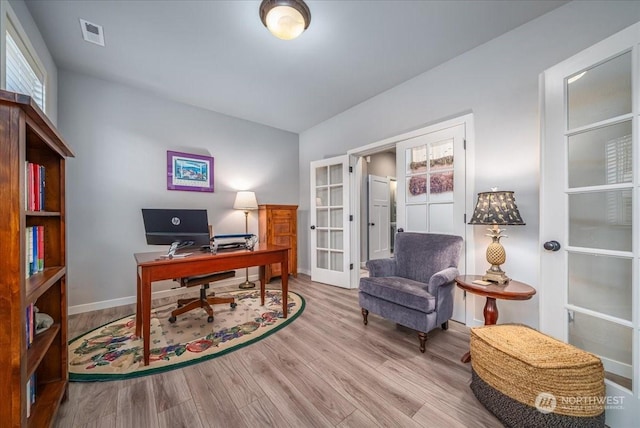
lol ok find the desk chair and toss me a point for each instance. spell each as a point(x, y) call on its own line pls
point(204, 301)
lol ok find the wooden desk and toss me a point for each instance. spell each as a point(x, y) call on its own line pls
point(150, 267)
point(512, 290)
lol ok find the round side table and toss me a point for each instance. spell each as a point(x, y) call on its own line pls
point(512, 290)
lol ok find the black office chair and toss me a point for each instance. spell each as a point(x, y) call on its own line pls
point(204, 301)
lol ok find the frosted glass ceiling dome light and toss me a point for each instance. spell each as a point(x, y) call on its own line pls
point(285, 19)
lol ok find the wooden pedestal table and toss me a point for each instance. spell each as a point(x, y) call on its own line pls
point(512, 290)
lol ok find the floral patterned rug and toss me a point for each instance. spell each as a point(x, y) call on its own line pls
point(114, 352)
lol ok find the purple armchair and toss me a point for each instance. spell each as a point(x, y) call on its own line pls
point(415, 288)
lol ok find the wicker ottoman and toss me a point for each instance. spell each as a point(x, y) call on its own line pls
point(528, 379)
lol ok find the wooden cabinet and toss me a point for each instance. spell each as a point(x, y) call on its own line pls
point(27, 136)
point(278, 225)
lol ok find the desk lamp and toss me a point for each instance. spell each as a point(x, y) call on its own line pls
point(495, 209)
point(246, 201)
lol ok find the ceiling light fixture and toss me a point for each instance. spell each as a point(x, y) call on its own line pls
point(285, 19)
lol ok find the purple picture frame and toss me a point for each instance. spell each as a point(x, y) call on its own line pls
point(193, 173)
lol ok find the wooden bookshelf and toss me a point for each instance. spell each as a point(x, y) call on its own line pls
point(27, 135)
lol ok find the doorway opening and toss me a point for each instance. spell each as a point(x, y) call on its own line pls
point(372, 167)
point(378, 206)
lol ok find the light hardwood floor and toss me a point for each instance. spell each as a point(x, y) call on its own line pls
point(326, 369)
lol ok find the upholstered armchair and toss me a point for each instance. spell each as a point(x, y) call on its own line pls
point(415, 287)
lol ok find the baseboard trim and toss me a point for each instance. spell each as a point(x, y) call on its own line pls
point(106, 304)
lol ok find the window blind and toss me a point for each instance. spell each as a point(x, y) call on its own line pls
point(21, 76)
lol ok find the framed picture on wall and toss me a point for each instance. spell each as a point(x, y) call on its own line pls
point(189, 172)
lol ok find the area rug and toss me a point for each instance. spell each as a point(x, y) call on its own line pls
point(113, 351)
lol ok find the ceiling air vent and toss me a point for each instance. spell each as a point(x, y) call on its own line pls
point(92, 33)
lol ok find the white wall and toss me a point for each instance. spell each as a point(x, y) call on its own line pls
point(120, 137)
point(498, 82)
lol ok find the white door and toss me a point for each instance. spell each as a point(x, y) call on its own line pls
point(330, 228)
point(431, 190)
point(379, 223)
point(589, 294)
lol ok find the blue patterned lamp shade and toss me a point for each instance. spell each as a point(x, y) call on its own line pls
point(496, 208)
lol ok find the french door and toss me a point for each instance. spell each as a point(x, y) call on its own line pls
point(330, 226)
point(589, 293)
point(431, 189)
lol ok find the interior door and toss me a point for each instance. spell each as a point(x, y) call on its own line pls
point(330, 227)
point(589, 294)
point(379, 223)
point(431, 190)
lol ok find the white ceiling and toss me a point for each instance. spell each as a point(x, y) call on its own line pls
point(217, 55)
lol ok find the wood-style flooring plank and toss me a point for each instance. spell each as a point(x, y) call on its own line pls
point(171, 389)
point(263, 413)
point(358, 419)
point(108, 421)
point(296, 409)
point(136, 406)
point(326, 369)
point(387, 406)
point(213, 403)
point(239, 384)
point(184, 415)
point(331, 405)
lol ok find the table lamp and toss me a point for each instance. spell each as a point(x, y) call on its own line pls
point(246, 201)
point(496, 208)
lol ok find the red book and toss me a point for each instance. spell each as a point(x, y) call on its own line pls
point(30, 186)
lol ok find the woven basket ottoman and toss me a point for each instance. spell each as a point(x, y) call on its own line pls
point(528, 379)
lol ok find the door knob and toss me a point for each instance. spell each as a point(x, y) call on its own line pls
point(372, 224)
point(401, 230)
point(552, 245)
point(313, 228)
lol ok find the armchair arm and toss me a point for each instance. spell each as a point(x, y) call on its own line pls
point(441, 286)
point(445, 276)
point(381, 267)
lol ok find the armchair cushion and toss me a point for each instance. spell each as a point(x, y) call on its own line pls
point(402, 291)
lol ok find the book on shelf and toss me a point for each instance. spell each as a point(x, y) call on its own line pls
point(28, 397)
point(30, 324)
point(40, 248)
point(34, 187)
point(35, 250)
point(31, 393)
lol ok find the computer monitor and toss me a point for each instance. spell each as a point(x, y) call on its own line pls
point(176, 227)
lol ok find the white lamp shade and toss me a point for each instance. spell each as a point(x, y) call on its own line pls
point(245, 201)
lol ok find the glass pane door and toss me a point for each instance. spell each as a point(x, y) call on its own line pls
point(329, 219)
point(600, 197)
point(589, 292)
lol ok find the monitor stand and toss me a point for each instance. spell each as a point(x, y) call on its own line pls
point(172, 249)
point(175, 246)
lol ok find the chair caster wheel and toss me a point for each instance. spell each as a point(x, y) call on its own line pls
point(172, 319)
point(233, 305)
point(209, 319)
